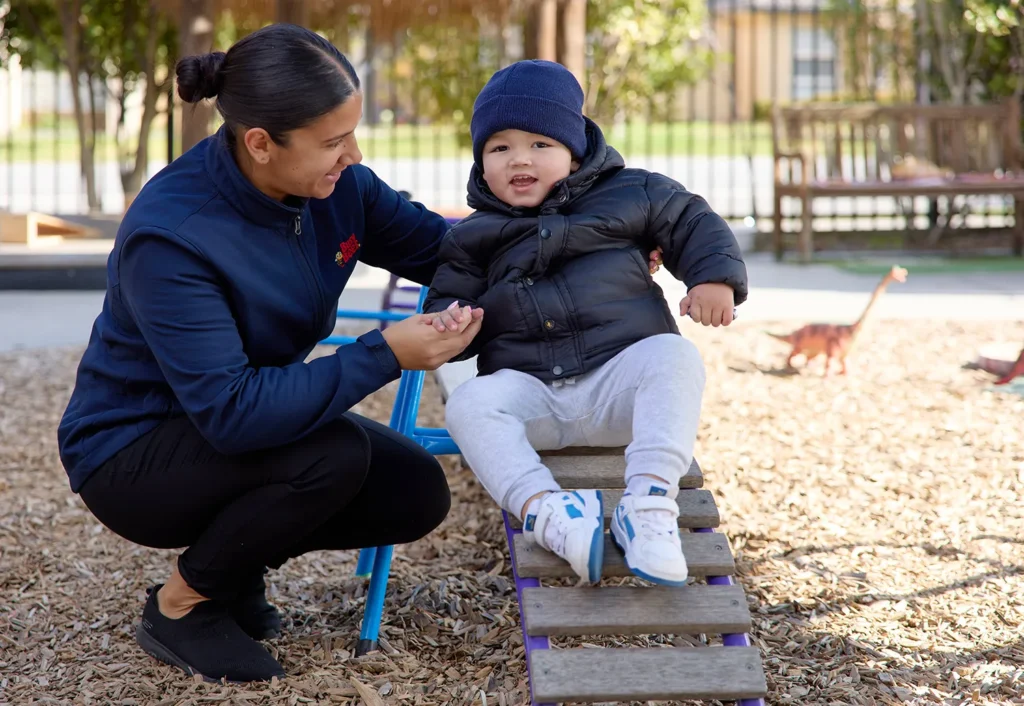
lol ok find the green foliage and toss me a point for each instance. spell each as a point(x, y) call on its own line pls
point(441, 69)
point(640, 52)
point(995, 17)
point(878, 42)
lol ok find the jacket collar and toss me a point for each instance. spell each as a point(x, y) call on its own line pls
point(601, 159)
point(238, 191)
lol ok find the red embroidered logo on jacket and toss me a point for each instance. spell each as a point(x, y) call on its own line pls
point(346, 251)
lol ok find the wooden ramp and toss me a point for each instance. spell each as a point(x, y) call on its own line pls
point(722, 664)
point(40, 229)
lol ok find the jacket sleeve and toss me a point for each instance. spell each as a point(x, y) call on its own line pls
point(178, 304)
point(697, 244)
point(459, 278)
point(402, 236)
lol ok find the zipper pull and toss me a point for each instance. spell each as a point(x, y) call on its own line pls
point(298, 225)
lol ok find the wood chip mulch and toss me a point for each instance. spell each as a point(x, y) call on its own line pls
point(877, 520)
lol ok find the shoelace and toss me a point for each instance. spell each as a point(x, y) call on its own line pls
point(660, 520)
point(561, 529)
point(653, 520)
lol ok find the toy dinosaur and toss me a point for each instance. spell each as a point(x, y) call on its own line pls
point(835, 341)
point(1017, 369)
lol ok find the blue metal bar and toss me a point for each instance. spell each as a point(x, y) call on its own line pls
point(403, 420)
point(438, 446)
point(375, 315)
point(364, 567)
point(375, 601)
point(338, 340)
point(430, 431)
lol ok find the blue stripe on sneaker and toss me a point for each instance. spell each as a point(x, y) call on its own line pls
point(596, 561)
point(629, 528)
point(573, 512)
point(580, 497)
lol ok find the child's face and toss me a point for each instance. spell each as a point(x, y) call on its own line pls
point(521, 167)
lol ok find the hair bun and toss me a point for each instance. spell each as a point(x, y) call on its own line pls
point(200, 76)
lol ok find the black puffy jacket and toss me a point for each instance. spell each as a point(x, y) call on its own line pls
point(565, 286)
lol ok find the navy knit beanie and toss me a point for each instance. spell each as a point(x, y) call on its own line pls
point(533, 95)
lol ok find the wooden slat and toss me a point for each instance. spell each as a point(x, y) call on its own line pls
point(602, 471)
point(696, 508)
point(707, 554)
point(625, 674)
point(627, 610)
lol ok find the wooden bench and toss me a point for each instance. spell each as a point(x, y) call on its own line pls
point(830, 150)
point(730, 671)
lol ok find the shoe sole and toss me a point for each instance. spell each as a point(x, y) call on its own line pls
point(643, 574)
point(156, 649)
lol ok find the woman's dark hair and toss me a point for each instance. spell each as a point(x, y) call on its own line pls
point(280, 78)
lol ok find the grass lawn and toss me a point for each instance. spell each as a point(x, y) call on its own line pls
point(49, 141)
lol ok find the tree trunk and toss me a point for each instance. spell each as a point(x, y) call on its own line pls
point(545, 27)
point(295, 12)
point(573, 44)
point(341, 30)
point(131, 179)
point(69, 12)
point(196, 37)
point(93, 197)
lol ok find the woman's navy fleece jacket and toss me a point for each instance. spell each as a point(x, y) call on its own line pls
point(217, 293)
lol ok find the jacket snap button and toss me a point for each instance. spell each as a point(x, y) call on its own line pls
point(557, 370)
point(545, 233)
point(549, 324)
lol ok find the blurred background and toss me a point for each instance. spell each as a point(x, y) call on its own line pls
point(685, 87)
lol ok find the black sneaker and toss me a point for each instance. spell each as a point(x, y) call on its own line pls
point(206, 641)
point(252, 612)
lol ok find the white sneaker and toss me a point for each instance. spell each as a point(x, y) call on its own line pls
point(571, 525)
point(645, 528)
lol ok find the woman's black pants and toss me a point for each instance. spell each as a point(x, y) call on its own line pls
point(352, 483)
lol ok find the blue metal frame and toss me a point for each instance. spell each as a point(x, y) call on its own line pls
point(375, 562)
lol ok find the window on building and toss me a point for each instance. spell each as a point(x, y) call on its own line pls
point(814, 63)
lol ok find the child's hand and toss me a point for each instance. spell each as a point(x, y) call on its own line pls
point(711, 304)
point(655, 260)
point(455, 318)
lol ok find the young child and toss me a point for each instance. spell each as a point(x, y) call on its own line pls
point(578, 345)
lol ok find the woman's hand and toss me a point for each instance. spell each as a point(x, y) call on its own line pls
point(419, 346)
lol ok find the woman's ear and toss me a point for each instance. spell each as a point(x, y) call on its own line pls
point(257, 144)
point(573, 166)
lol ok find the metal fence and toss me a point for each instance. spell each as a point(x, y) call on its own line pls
point(713, 135)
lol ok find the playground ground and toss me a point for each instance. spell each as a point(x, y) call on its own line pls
point(877, 522)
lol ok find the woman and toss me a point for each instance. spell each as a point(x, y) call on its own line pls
point(195, 421)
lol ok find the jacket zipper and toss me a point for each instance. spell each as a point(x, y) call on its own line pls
point(318, 306)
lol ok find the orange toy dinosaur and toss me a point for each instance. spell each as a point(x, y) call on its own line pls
point(1017, 369)
point(835, 341)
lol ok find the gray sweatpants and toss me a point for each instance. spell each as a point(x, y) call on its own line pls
point(646, 398)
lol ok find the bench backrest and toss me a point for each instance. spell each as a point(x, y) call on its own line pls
point(864, 142)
